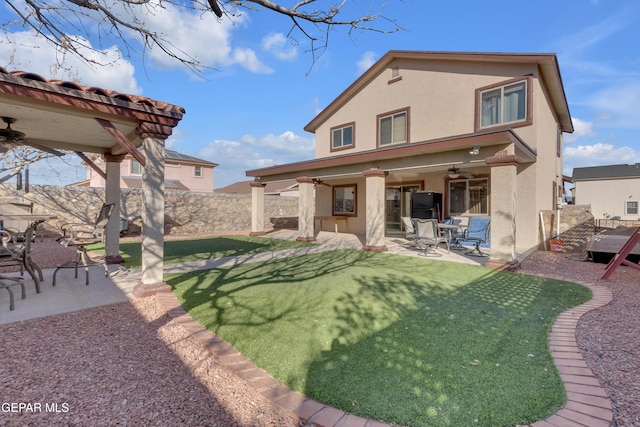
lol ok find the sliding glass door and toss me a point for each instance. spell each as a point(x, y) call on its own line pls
point(398, 204)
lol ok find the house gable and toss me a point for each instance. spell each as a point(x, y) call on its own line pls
point(438, 91)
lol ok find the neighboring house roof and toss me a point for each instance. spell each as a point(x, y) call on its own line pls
point(244, 187)
point(136, 182)
point(547, 63)
point(185, 158)
point(607, 172)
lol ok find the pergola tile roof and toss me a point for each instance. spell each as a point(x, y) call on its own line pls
point(135, 99)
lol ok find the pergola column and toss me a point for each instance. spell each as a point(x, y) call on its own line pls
point(306, 210)
point(504, 176)
point(112, 195)
point(153, 137)
point(257, 208)
point(375, 210)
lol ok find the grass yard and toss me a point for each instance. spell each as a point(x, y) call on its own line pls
point(404, 340)
point(202, 249)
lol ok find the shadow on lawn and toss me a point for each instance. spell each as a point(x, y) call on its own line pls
point(203, 249)
point(465, 353)
point(427, 342)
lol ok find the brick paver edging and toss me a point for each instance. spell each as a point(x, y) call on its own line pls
point(587, 402)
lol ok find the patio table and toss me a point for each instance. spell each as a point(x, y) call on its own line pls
point(448, 230)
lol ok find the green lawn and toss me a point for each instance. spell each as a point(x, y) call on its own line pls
point(203, 249)
point(412, 341)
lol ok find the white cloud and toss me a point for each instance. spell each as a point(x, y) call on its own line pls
point(247, 59)
point(28, 52)
point(252, 152)
point(200, 36)
point(618, 104)
point(599, 154)
point(581, 129)
point(366, 61)
point(275, 43)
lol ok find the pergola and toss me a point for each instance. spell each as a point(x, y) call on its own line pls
point(59, 115)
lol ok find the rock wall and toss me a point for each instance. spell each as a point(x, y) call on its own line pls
point(185, 212)
point(576, 226)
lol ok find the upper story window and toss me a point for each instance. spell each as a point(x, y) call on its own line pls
point(136, 167)
point(505, 104)
point(343, 137)
point(631, 208)
point(197, 171)
point(393, 128)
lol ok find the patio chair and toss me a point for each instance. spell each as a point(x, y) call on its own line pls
point(478, 232)
point(80, 235)
point(409, 228)
point(457, 236)
point(428, 236)
point(14, 252)
point(7, 283)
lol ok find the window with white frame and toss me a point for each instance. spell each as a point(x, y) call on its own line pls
point(504, 104)
point(469, 196)
point(342, 136)
point(136, 167)
point(392, 128)
point(631, 207)
point(344, 200)
point(197, 171)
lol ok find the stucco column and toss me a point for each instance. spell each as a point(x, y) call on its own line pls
point(153, 137)
point(306, 214)
point(257, 209)
point(504, 176)
point(112, 195)
point(375, 209)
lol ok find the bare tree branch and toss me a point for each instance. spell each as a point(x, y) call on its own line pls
point(69, 24)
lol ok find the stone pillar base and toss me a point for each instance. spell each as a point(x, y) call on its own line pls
point(375, 248)
point(148, 289)
point(258, 233)
point(306, 239)
point(503, 265)
point(114, 259)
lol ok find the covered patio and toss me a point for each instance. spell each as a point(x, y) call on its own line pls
point(381, 179)
point(53, 115)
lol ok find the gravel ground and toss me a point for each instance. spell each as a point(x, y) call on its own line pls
point(130, 364)
point(608, 337)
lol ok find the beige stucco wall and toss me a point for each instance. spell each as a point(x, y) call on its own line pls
point(422, 87)
point(608, 197)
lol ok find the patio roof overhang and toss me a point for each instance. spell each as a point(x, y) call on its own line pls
point(427, 156)
point(67, 116)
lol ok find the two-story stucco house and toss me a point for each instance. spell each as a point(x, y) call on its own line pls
point(482, 129)
point(182, 172)
point(613, 191)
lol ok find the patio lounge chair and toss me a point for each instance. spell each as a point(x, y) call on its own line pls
point(478, 232)
point(428, 236)
point(81, 235)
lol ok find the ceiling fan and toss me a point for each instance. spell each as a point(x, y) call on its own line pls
point(455, 172)
point(317, 181)
point(10, 138)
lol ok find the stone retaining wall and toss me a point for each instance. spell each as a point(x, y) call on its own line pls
point(186, 212)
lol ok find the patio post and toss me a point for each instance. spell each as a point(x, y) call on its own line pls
point(375, 209)
point(257, 208)
point(504, 178)
point(112, 195)
point(306, 211)
point(153, 214)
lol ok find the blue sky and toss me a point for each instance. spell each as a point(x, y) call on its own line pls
point(251, 110)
